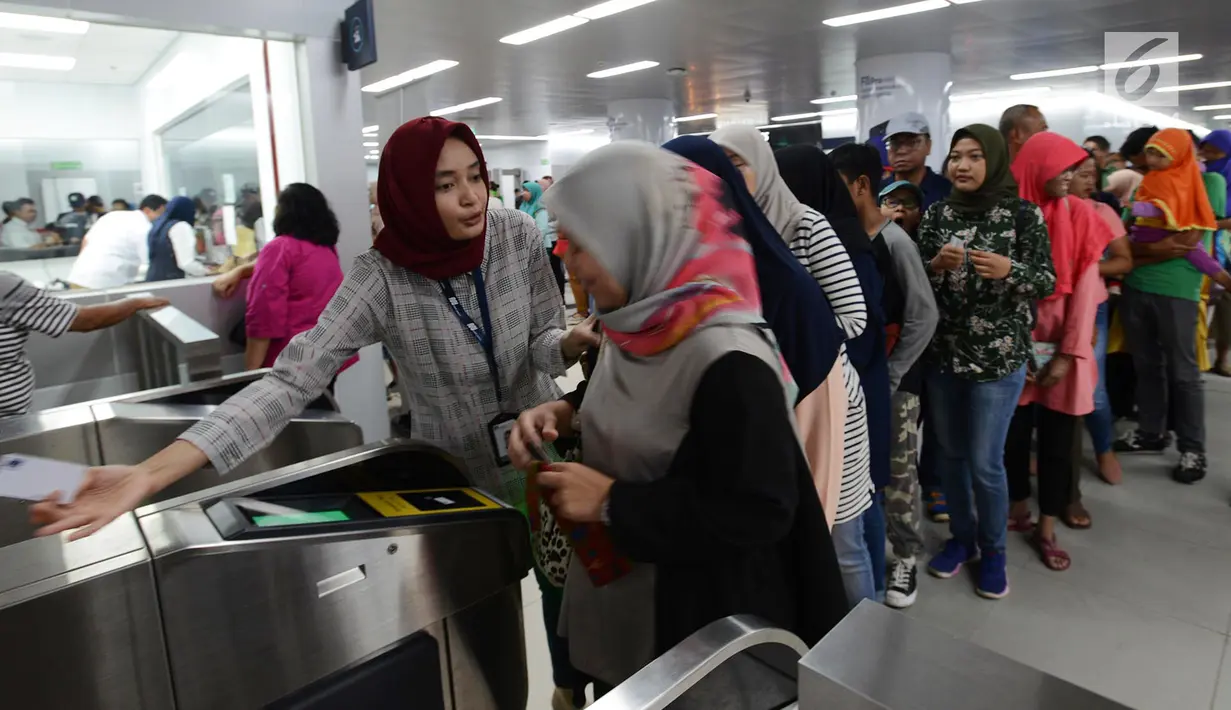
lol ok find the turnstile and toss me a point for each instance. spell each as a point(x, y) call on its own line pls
point(372, 578)
point(875, 659)
point(214, 391)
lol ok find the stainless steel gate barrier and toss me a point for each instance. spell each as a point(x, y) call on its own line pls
point(175, 349)
point(876, 659)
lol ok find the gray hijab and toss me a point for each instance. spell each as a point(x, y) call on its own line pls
point(773, 196)
point(632, 207)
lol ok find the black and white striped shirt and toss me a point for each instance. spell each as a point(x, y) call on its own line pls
point(24, 308)
point(816, 245)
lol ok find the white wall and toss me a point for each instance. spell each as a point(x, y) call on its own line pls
point(527, 156)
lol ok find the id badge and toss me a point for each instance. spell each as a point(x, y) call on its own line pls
point(498, 433)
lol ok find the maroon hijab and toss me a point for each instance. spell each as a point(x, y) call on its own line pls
point(414, 235)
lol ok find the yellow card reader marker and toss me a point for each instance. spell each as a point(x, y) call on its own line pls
point(437, 501)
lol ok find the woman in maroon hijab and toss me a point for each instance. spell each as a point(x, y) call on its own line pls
point(464, 299)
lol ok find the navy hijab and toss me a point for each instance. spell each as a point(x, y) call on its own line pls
point(793, 303)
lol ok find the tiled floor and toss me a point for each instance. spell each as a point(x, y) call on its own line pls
point(1143, 616)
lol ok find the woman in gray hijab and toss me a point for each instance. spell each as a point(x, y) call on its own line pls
point(693, 499)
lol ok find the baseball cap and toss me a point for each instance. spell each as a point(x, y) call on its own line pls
point(76, 199)
point(899, 185)
point(909, 122)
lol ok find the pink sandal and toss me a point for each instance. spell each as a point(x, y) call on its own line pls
point(1021, 523)
point(1050, 553)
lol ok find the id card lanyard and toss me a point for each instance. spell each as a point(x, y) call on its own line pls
point(484, 334)
point(498, 429)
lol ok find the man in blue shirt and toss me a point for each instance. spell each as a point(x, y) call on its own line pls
point(909, 143)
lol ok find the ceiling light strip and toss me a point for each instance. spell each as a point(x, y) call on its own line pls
point(467, 106)
point(1196, 87)
point(409, 75)
point(624, 69)
point(958, 98)
point(371, 129)
point(1212, 107)
point(697, 117)
point(834, 100)
point(788, 125)
point(511, 138)
point(546, 29)
point(370, 144)
point(610, 8)
point(1150, 62)
point(1054, 72)
point(886, 13)
point(1226, 117)
point(37, 61)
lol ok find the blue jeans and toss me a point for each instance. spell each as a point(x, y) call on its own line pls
point(1101, 423)
point(853, 559)
point(874, 536)
point(972, 422)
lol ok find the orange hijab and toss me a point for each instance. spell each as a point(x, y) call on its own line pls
point(1178, 191)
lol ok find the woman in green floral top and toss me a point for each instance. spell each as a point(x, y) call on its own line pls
point(989, 259)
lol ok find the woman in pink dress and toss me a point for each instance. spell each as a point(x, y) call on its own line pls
point(1061, 386)
point(294, 277)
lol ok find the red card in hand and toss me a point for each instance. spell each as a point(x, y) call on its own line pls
point(591, 542)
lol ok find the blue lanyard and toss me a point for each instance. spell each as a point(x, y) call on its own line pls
point(483, 335)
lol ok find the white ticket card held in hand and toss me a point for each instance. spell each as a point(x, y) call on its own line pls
point(32, 478)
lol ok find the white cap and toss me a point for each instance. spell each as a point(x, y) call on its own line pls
point(910, 122)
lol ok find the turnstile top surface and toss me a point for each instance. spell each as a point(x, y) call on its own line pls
point(37, 423)
point(27, 561)
point(889, 660)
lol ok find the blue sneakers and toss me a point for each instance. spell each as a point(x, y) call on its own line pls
point(950, 559)
point(993, 578)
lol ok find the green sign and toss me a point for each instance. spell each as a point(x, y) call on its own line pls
point(324, 516)
point(66, 165)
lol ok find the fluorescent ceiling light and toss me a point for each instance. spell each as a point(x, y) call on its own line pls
point(372, 157)
point(37, 61)
point(611, 8)
point(616, 71)
point(834, 100)
point(698, 117)
point(795, 116)
point(546, 29)
point(511, 138)
point(579, 132)
point(371, 144)
point(698, 133)
point(886, 13)
point(1211, 107)
point(999, 94)
point(1227, 117)
point(467, 106)
point(12, 21)
point(409, 75)
point(839, 112)
point(1053, 72)
point(963, 2)
point(788, 125)
point(371, 129)
point(1149, 62)
point(1196, 87)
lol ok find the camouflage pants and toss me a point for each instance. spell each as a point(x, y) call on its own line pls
point(903, 504)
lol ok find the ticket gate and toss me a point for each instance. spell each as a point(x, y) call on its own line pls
point(203, 392)
point(371, 578)
point(875, 659)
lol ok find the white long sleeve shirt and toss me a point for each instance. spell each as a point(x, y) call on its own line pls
point(184, 242)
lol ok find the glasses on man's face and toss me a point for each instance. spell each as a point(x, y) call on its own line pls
point(901, 143)
point(896, 203)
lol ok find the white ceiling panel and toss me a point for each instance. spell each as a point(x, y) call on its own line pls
point(105, 54)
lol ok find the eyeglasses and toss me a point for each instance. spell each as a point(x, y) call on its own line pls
point(900, 143)
point(895, 203)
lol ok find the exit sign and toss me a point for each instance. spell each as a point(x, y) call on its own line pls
point(66, 165)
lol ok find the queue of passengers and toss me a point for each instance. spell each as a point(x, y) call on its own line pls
point(772, 328)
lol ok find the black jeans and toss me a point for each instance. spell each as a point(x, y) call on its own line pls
point(557, 268)
point(1161, 333)
point(1057, 433)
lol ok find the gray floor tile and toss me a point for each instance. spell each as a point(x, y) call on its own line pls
point(1145, 660)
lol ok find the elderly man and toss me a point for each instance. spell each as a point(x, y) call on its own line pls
point(909, 143)
point(1018, 123)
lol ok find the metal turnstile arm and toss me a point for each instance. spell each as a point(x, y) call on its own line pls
point(672, 674)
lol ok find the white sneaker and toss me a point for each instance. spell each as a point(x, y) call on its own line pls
point(903, 584)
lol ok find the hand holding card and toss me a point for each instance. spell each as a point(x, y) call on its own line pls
point(33, 478)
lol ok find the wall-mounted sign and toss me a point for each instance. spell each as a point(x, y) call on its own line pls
point(359, 36)
point(66, 165)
